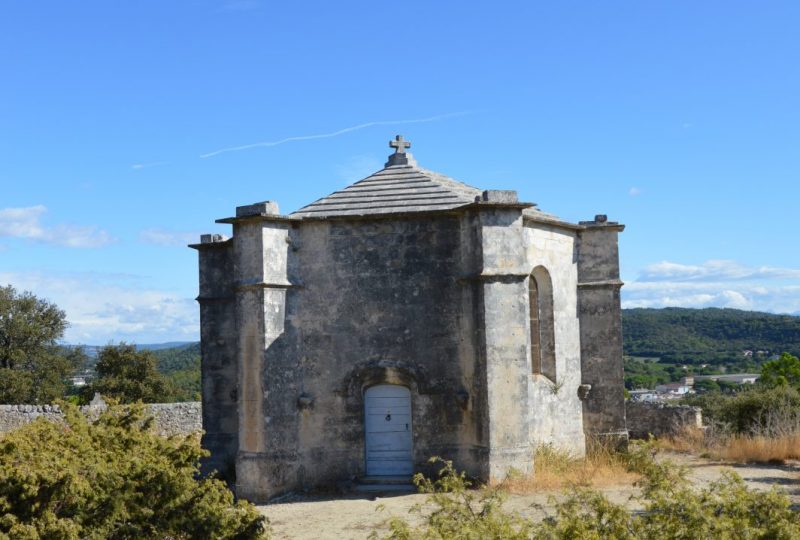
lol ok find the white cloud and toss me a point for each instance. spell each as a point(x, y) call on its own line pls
point(634, 191)
point(333, 133)
point(112, 307)
point(715, 283)
point(163, 237)
point(713, 270)
point(26, 223)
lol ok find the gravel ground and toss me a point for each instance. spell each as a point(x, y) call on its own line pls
point(355, 516)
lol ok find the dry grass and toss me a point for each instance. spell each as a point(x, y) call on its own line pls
point(557, 469)
point(687, 439)
point(761, 446)
point(758, 448)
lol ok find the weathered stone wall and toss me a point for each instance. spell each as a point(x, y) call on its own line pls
point(170, 418)
point(373, 302)
point(660, 418)
point(555, 410)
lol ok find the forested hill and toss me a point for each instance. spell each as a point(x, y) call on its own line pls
point(181, 358)
point(709, 335)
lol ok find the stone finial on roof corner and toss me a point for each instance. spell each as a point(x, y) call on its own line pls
point(264, 208)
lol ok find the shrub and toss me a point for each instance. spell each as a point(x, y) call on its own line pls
point(460, 512)
point(725, 509)
point(113, 478)
point(746, 411)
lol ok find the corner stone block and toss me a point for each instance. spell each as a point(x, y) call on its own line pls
point(506, 196)
point(265, 208)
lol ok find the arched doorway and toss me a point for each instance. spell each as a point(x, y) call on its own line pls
point(388, 433)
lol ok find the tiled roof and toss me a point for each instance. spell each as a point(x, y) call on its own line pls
point(394, 189)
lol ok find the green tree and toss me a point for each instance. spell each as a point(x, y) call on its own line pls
point(33, 368)
point(706, 385)
point(181, 365)
point(782, 371)
point(113, 478)
point(128, 375)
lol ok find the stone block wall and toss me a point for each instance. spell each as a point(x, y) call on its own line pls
point(177, 418)
point(170, 418)
point(660, 419)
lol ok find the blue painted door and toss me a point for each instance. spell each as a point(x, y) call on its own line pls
point(387, 417)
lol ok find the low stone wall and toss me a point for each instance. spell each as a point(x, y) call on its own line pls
point(170, 418)
point(658, 419)
point(177, 418)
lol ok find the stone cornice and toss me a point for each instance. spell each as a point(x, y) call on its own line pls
point(258, 218)
point(265, 285)
point(609, 283)
point(512, 276)
point(210, 245)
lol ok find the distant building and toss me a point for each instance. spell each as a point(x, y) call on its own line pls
point(644, 395)
point(738, 378)
point(674, 389)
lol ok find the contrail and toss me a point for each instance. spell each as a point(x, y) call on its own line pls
point(334, 133)
point(140, 166)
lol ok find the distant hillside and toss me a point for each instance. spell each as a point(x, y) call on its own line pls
point(182, 365)
point(181, 358)
point(167, 345)
point(712, 335)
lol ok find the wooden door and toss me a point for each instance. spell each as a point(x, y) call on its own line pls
point(387, 418)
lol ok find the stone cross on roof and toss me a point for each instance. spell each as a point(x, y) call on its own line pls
point(399, 145)
point(400, 157)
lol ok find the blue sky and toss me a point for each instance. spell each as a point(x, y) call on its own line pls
point(680, 119)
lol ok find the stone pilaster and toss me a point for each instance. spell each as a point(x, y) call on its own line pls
point(600, 317)
point(503, 340)
point(219, 373)
point(261, 247)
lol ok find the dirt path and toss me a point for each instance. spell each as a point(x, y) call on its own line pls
point(304, 517)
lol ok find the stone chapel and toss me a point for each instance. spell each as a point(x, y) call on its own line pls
point(405, 316)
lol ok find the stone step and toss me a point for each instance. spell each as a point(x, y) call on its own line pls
point(385, 488)
point(385, 480)
point(385, 484)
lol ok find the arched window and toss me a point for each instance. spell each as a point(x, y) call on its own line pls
point(543, 339)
